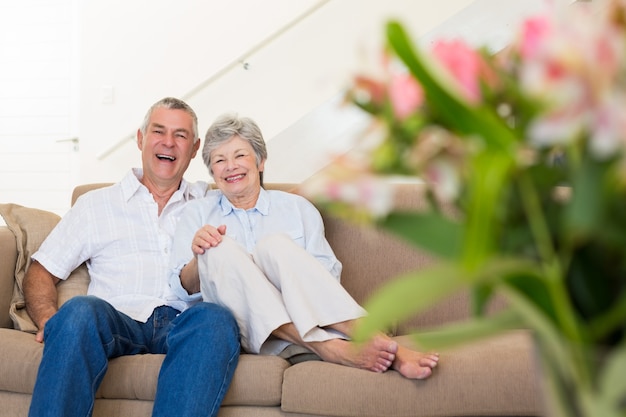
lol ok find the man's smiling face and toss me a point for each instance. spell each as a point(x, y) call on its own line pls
point(167, 146)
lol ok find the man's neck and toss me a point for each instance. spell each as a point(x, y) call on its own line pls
point(161, 192)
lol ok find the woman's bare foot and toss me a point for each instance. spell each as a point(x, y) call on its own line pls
point(377, 355)
point(414, 365)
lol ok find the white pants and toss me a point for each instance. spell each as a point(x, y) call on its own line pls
point(279, 283)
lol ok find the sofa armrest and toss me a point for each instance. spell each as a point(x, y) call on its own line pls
point(8, 254)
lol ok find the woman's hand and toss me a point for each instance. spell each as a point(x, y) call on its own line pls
point(207, 237)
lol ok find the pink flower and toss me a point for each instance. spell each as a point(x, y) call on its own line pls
point(443, 179)
point(573, 66)
point(609, 126)
point(534, 32)
point(349, 180)
point(405, 94)
point(464, 64)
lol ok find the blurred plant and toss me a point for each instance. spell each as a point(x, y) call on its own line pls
point(527, 146)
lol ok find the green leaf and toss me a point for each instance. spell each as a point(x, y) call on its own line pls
point(481, 294)
point(585, 210)
point(613, 319)
point(413, 292)
point(534, 288)
point(459, 333)
point(490, 176)
point(407, 295)
point(612, 382)
point(554, 346)
point(430, 231)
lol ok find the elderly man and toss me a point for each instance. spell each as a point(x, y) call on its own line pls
point(124, 233)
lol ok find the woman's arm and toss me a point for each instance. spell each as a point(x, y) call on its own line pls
point(205, 238)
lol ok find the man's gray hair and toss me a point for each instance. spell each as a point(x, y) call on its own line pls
point(172, 104)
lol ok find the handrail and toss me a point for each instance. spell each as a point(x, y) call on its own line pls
point(75, 140)
point(241, 60)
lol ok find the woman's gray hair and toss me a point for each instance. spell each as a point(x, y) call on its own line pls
point(227, 126)
point(172, 104)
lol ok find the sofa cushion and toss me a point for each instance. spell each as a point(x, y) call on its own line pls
point(491, 377)
point(257, 381)
point(20, 372)
point(30, 227)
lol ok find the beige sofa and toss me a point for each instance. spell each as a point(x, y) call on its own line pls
point(495, 377)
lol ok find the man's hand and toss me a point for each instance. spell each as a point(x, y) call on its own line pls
point(39, 335)
point(207, 237)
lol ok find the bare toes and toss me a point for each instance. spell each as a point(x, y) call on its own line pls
point(415, 365)
point(425, 373)
point(429, 361)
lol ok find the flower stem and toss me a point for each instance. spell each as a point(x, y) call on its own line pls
point(555, 277)
point(551, 265)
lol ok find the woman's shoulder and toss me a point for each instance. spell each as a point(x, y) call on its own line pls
point(287, 198)
point(286, 195)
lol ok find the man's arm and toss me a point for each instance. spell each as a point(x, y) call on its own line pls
point(40, 294)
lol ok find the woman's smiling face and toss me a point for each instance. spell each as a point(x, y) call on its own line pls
point(236, 173)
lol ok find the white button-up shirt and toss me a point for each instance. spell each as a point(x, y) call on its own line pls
point(117, 230)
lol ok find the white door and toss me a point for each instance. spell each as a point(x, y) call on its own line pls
point(39, 89)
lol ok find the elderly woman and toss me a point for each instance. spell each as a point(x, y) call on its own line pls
point(263, 254)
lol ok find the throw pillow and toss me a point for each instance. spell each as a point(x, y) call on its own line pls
point(30, 227)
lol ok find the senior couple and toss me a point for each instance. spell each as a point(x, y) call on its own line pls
point(192, 274)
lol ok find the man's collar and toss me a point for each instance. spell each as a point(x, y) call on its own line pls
point(131, 185)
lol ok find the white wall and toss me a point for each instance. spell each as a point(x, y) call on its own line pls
point(60, 59)
point(154, 49)
point(293, 81)
point(38, 87)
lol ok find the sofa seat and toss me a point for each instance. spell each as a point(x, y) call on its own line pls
point(465, 379)
point(135, 377)
point(464, 383)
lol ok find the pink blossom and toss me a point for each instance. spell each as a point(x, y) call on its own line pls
point(443, 179)
point(349, 180)
point(573, 68)
point(534, 32)
point(405, 94)
point(464, 64)
point(609, 126)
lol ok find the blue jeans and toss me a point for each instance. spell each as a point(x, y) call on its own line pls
point(201, 347)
